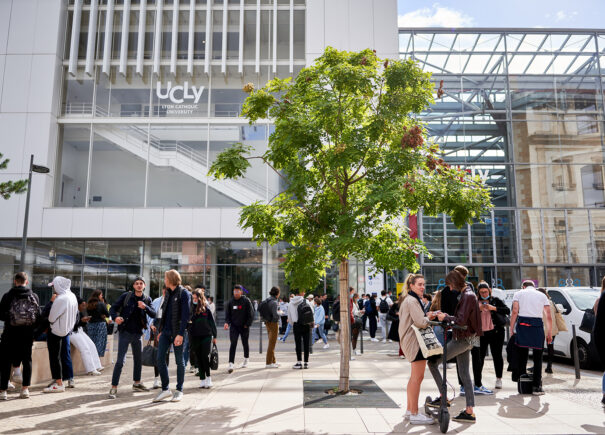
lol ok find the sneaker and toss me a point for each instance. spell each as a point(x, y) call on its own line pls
point(357, 352)
point(208, 382)
point(384, 341)
point(421, 419)
point(164, 394)
point(537, 391)
point(191, 369)
point(24, 394)
point(157, 383)
point(498, 383)
point(464, 417)
point(101, 368)
point(139, 387)
point(230, 370)
point(11, 386)
point(436, 403)
point(244, 364)
point(306, 366)
point(548, 370)
point(375, 340)
point(483, 390)
point(298, 365)
point(462, 390)
point(3, 395)
point(407, 414)
point(177, 396)
point(113, 393)
point(55, 388)
point(272, 366)
point(94, 373)
point(327, 346)
point(71, 383)
point(401, 356)
point(389, 340)
point(202, 383)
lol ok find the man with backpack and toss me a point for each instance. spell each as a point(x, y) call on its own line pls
point(130, 313)
point(20, 311)
point(239, 316)
point(383, 309)
point(267, 310)
point(302, 319)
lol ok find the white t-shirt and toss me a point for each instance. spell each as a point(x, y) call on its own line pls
point(531, 302)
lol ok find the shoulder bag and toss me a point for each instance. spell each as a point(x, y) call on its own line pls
point(588, 321)
point(214, 357)
point(149, 355)
point(429, 345)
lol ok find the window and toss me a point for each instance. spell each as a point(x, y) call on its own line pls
point(558, 298)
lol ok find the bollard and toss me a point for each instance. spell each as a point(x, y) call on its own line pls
point(260, 337)
point(576, 358)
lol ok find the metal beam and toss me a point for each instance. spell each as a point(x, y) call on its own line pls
point(291, 36)
point(124, 37)
point(108, 37)
point(224, 35)
point(556, 53)
point(191, 37)
point(174, 42)
point(240, 59)
point(75, 38)
point(274, 36)
point(157, 44)
point(141, 36)
point(208, 37)
point(257, 57)
point(535, 54)
point(92, 37)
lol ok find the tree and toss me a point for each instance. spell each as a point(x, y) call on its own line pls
point(356, 163)
point(7, 188)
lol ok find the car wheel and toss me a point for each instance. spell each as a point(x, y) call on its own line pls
point(583, 355)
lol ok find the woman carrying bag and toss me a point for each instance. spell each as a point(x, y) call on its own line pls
point(557, 325)
point(202, 331)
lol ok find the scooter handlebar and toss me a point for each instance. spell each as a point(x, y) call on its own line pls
point(447, 325)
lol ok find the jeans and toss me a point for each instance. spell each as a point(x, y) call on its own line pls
point(200, 347)
point(126, 338)
point(523, 353)
point(234, 333)
point(67, 371)
point(272, 333)
point(163, 348)
point(373, 325)
point(495, 340)
point(460, 349)
point(319, 331)
point(384, 325)
point(301, 340)
point(288, 329)
point(186, 347)
point(603, 384)
point(16, 349)
point(438, 330)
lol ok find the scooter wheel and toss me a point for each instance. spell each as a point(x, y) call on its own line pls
point(444, 420)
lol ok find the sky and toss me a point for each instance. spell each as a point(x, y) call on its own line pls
point(588, 14)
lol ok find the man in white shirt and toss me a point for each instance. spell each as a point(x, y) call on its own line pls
point(529, 307)
point(384, 304)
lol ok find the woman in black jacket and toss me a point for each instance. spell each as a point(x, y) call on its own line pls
point(202, 331)
point(393, 317)
point(493, 321)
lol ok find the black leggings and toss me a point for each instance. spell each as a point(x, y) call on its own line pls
point(373, 325)
point(234, 333)
point(16, 349)
point(200, 347)
point(301, 340)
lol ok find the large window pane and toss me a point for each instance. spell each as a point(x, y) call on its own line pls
point(224, 252)
point(508, 278)
point(180, 96)
point(481, 241)
point(124, 251)
point(565, 276)
point(457, 243)
point(556, 242)
point(505, 225)
point(598, 233)
point(580, 246)
point(432, 233)
point(434, 277)
point(536, 274)
point(77, 93)
point(227, 91)
point(72, 170)
point(531, 236)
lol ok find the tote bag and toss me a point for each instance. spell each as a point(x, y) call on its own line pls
point(429, 345)
point(149, 355)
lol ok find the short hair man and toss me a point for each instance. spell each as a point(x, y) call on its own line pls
point(530, 306)
point(271, 318)
point(239, 316)
point(130, 313)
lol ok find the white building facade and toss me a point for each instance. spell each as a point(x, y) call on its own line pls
point(128, 102)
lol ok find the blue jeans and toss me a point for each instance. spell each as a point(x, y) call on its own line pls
point(124, 339)
point(288, 329)
point(186, 348)
point(163, 348)
point(604, 383)
point(67, 371)
point(319, 331)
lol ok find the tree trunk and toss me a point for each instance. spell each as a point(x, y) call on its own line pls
point(345, 325)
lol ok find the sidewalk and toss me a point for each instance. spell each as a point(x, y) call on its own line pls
point(259, 400)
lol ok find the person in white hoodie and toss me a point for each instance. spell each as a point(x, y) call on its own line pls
point(62, 318)
point(302, 332)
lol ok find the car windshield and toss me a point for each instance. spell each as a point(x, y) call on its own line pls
point(583, 299)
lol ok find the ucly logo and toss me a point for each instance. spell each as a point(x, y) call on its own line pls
point(185, 92)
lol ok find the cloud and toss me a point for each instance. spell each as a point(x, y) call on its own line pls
point(562, 16)
point(435, 16)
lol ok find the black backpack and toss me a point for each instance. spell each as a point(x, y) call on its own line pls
point(384, 306)
point(305, 314)
point(24, 311)
point(263, 310)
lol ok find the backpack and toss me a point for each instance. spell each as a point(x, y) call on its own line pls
point(384, 306)
point(24, 311)
point(305, 314)
point(263, 310)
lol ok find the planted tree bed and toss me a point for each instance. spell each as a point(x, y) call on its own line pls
point(363, 394)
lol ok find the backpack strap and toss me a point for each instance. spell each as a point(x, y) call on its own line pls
point(125, 302)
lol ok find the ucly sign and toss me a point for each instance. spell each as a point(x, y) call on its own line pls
point(178, 94)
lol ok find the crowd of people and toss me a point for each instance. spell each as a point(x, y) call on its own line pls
point(182, 321)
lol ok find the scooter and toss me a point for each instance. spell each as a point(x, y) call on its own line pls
point(442, 414)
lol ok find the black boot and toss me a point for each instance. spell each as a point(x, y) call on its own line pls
point(548, 369)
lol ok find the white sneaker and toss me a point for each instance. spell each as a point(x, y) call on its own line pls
point(407, 414)
point(24, 394)
point(498, 383)
point(203, 383)
point(3, 395)
point(191, 369)
point(94, 373)
point(101, 368)
point(54, 388)
point(11, 386)
point(375, 340)
point(71, 383)
point(389, 340)
point(357, 352)
point(208, 382)
point(327, 346)
point(384, 340)
point(157, 383)
point(272, 366)
point(421, 419)
point(165, 394)
point(177, 396)
point(244, 364)
point(230, 368)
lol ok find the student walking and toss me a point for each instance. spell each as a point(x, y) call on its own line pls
point(320, 320)
point(175, 317)
point(97, 325)
point(384, 305)
point(283, 314)
point(62, 318)
point(529, 308)
point(202, 331)
point(130, 313)
point(239, 316)
point(371, 312)
point(268, 312)
point(555, 330)
point(20, 312)
point(300, 316)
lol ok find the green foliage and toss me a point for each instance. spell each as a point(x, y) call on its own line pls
point(357, 164)
point(8, 188)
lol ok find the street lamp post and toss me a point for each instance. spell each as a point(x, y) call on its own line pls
point(41, 170)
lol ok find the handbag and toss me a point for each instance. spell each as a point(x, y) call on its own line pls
point(149, 355)
point(110, 328)
point(427, 340)
point(560, 321)
point(588, 321)
point(214, 357)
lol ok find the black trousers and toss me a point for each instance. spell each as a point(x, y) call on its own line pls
point(284, 324)
point(234, 333)
point(523, 353)
point(16, 349)
point(495, 340)
point(200, 347)
point(373, 325)
point(302, 334)
point(55, 343)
